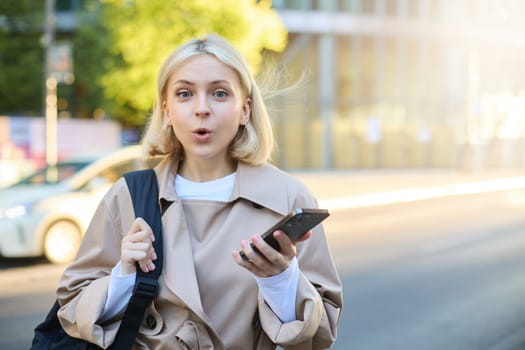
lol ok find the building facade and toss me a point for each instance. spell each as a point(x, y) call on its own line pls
point(404, 84)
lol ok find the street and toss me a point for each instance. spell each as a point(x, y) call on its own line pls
point(440, 274)
point(433, 274)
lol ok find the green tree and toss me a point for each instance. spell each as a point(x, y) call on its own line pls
point(144, 32)
point(91, 50)
point(21, 57)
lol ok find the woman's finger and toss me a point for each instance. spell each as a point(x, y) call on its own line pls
point(137, 247)
point(287, 248)
point(140, 225)
point(248, 265)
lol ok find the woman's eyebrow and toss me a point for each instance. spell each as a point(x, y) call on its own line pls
point(183, 81)
point(220, 81)
point(214, 82)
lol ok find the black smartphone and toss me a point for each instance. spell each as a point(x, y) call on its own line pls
point(295, 225)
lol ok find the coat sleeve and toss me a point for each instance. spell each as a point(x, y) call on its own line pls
point(82, 289)
point(319, 295)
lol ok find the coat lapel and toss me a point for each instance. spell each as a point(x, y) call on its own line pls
point(178, 271)
point(180, 275)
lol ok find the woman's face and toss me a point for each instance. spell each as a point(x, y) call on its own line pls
point(205, 106)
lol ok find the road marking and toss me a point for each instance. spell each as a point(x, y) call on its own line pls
point(421, 193)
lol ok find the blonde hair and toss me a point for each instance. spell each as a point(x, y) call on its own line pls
point(253, 143)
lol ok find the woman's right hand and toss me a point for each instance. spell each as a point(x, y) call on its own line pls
point(137, 247)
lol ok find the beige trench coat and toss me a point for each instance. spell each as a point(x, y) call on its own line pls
point(236, 316)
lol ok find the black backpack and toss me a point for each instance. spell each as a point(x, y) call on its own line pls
point(49, 334)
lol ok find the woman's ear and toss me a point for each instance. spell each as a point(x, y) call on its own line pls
point(165, 115)
point(246, 111)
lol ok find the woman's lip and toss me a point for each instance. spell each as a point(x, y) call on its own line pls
point(202, 135)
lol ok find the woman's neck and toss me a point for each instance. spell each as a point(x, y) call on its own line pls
point(206, 170)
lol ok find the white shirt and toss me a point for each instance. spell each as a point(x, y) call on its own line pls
point(278, 291)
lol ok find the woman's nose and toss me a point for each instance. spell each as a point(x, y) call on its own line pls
point(202, 108)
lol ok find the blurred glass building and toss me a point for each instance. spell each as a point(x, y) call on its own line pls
point(398, 83)
point(404, 84)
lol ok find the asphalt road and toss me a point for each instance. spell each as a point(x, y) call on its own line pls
point(436, 274)
point(440, 274)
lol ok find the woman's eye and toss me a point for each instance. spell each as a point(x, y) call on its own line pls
point(220, 94)
point(183, 94)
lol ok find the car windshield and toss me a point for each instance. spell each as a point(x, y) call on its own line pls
point(52, 174)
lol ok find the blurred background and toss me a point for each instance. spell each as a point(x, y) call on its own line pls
point(406, 119)
point(390, 83)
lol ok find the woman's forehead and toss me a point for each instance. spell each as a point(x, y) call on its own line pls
point(204, 67)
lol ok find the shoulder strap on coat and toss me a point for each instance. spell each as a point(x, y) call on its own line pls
point(144, 191)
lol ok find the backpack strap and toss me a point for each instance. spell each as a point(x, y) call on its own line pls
point(144, 191)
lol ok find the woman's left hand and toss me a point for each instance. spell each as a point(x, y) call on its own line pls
point(268, 262)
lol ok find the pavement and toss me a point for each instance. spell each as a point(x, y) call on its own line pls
point(338, 190)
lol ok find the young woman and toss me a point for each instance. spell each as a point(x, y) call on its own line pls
point(218, 194)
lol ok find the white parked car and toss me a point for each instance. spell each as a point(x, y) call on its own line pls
point(48, 212)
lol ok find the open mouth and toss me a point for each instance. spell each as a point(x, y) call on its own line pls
point(201, 132)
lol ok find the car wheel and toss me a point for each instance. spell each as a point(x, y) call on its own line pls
point(61, 242)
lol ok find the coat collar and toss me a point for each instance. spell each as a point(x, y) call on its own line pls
point(263, 185)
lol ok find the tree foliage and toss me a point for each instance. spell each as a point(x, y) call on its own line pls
point(118, 47)
point(137, 35)
point(21, 56)
point(91, 48)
